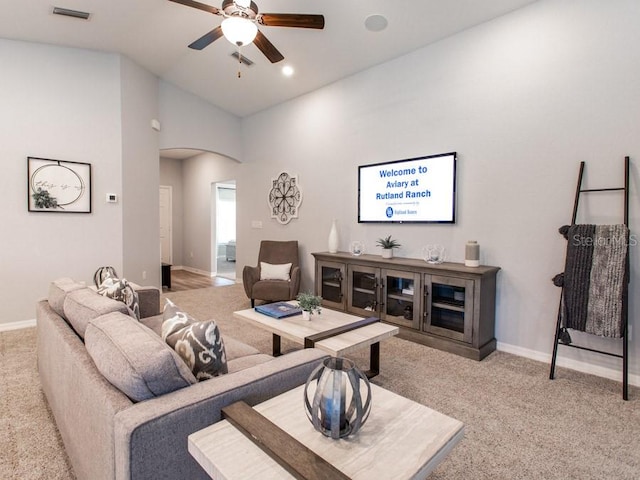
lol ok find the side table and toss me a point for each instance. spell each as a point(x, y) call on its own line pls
point(166, 275)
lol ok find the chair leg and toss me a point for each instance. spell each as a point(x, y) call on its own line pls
point(253, 303)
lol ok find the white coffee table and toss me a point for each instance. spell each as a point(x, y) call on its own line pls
point(401, 439)
point(323, 332)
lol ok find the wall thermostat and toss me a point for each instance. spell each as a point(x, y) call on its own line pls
point(112, 198)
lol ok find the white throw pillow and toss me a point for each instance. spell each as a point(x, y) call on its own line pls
point(275, 272)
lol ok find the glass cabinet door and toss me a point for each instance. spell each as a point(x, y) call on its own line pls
point(449, 307)
point(401, 298)
point(330, 284)
point(363, 294)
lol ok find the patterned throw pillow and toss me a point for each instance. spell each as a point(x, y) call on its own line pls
point(199, 344)
point(120, 289)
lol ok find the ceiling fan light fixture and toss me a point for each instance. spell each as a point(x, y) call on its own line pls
point(239, 31)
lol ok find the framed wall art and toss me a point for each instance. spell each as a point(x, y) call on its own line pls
point(58, 186)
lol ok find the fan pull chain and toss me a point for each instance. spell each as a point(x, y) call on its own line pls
point(239, 60)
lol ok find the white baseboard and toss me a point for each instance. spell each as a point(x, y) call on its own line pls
point(5, 327)
point(577, 365)
point(197, 271)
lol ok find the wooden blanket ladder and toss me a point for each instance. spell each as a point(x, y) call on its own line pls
point(625, 313)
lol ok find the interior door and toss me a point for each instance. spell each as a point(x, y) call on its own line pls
point(166, 247)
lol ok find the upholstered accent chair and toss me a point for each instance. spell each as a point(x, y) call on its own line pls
point(277, 275)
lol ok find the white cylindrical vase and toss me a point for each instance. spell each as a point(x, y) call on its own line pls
point(333, 238)
point(472, 254)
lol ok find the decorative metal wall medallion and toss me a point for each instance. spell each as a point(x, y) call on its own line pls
point(285, 198)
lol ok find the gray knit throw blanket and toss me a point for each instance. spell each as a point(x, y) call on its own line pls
point(595, 278)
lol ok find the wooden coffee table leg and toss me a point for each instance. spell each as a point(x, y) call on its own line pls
point(374, 360)
point(276, 345)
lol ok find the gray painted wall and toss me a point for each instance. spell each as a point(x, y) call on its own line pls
point(141, 220)
point(171, 175)
point(85, 106)
point(190, 122)
point(199, 173)
point(522, 99)
point(63, 104)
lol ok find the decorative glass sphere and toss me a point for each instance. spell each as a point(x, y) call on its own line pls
point(337, 398)
point(433, 254)
point(356, 248)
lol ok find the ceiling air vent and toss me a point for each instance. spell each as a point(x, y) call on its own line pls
point(243, 59)
point(71, 13)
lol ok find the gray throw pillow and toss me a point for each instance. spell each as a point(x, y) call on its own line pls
point(134, 359)
point(199, 344)
point(120, 289)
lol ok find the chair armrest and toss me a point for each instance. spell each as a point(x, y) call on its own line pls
point(250, 275)
point(295, 282)
point(151, 436)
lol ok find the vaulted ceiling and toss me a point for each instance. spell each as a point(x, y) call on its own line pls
point(156, 33)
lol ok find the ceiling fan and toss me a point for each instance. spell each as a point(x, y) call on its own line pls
point(240, 25)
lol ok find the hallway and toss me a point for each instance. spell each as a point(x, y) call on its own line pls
point(184, 280)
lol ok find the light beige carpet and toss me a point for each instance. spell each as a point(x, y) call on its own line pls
point(30, 446)
point(518, 423)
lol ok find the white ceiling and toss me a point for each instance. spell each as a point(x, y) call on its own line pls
point(155, 34)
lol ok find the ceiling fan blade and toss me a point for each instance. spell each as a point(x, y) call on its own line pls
point(198, 5)
point(207, 39)
point(266, 47)
point(292, 20)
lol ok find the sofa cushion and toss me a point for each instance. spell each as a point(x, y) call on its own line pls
point(154, 323)
point(199, 344)
point(120, 289)
point(58, 291)
point(82, 306)
point(236, 349)
point(247, 362)
point(134, 359)
point(269, 271)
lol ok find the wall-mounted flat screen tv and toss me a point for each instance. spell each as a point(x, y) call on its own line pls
point(415, 190)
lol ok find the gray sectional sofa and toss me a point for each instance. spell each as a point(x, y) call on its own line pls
point(106, 434)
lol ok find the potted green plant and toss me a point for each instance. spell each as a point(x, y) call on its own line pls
point(309, 303)
point(387, 244)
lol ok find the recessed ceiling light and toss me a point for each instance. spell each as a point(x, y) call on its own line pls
point(375, 23)
point(287, 70)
